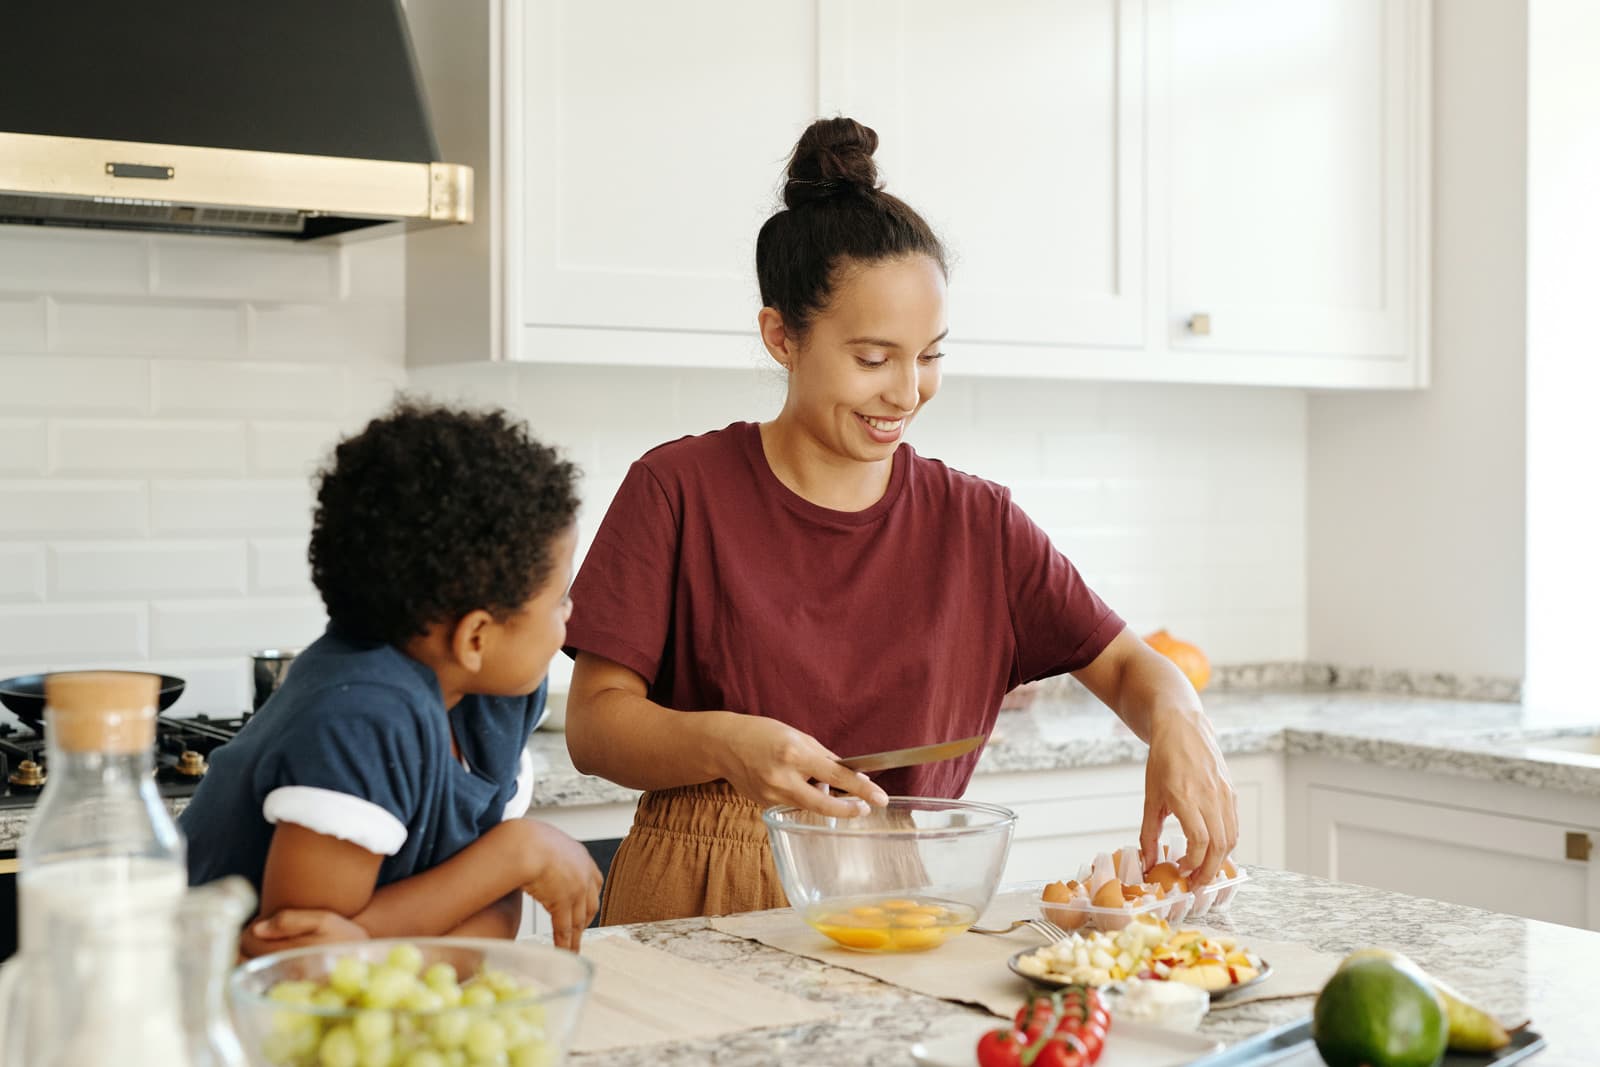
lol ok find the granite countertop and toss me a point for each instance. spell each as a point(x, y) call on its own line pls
point(1463, 737)
point(1490, 740)
point(1517, 968)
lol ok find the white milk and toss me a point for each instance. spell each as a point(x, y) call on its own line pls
point(119, 1002)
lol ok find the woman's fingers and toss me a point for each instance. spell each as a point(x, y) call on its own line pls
point(1155, 815)
point(830, 772)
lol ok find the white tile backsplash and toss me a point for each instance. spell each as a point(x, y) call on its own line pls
point(162, 402)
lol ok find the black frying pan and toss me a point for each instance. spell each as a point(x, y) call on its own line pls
point(25, 696)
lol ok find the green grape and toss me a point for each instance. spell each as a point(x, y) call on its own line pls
point(518, 1032)
point(450, 996)
point(373, 1027)
point(477, 996)
point(387, 987)
point(339, 1048)
point(499, 1059)
point(292, 992)
point(421, 999)
point(533, 1015)
point(456, 1057)
point(425, 1057)
point(407, 958)
point(349, 976)
point(504, 986)
point(327, 998)
point(533, 1054)
point(449, 1029)
point(485, 1038)
point(378, 1054)
point(439, 977)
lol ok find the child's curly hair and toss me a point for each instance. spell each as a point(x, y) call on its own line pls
point(433, 512)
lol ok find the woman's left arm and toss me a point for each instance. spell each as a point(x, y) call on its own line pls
point(1185, 774)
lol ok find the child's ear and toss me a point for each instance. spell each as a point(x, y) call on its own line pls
point(468, 639)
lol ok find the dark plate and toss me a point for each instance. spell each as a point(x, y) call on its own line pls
point(25, 695)
point(1061, 983)
point(1290, 1046)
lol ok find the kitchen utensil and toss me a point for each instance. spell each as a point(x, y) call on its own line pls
point(268, 666)
point(1291, 1046)
point(1044, 928)
point(910, 757)
point(24, 695)
point(939, 858)
point(1047, 982)
point(558, 983)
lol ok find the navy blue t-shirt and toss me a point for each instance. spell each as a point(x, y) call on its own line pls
point(355, 744)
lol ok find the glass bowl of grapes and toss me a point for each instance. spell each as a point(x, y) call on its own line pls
point(418, 1002)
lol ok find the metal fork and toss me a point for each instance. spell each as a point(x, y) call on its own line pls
point(1043, 927)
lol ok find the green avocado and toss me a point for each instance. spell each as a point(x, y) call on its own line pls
point(1379, 1013)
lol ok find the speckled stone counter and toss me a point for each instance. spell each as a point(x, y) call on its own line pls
point(1474, 738)
point(1518, 968)
point(1464, 737)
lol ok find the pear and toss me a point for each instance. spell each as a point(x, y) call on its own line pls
point(1471, 1028)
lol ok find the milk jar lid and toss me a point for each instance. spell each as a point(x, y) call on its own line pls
point(102, 711)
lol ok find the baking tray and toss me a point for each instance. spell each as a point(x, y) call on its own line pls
point(1290, 1046)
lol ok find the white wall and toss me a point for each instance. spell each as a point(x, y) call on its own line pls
point(1184, 505)
point(1416, 545)
point(1563, 567)
point(162, 401)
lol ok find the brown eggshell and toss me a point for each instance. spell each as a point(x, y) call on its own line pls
point(1110, 895)
point(1057, 893)
point(1164, 874)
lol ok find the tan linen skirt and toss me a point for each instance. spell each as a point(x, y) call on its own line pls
point(695, 850)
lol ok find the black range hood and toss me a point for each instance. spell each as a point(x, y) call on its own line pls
point(287, 118)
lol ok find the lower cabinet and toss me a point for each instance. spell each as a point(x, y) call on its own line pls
point(1503, 847)
point(1065, 817)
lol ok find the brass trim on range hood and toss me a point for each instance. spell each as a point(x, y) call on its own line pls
point(187, 188)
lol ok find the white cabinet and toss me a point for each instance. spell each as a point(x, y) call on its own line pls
point(1017, 130)
point(1065, 817)
point(1505, 848)
point(1293, 149)
point(1204, 190)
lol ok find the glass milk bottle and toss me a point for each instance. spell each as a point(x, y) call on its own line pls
point(101, 880)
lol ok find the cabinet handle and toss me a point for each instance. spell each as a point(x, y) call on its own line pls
point(1199, 324)
point(1579, 846)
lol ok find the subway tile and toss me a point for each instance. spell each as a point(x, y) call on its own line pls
point(183, 628)
point(291, 449)
point(66, 261)
point(213, 685)
point(22, 447)
point(264, 506)
point(147, 448)
point(245, 270)
point(284, 390)
point(145, 327)
point(22, 322)
point(119, 569)
point(76, 630)
point(352, 333)
point(22, 571)
point(470, 385)
point(69, 384)
point(67, 508)
point(279, 566)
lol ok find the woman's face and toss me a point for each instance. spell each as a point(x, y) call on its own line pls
point(871, 359)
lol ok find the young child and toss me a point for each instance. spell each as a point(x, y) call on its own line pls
point(379, 793)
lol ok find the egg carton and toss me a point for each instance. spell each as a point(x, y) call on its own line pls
point(1124, 866)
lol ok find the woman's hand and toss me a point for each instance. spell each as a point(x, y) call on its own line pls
point(773, 763)
point(1187, 777)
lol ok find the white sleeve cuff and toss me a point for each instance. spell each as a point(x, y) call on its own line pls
point(522, 799)
point(335, 814)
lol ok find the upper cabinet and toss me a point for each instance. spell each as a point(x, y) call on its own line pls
point(1160, 190)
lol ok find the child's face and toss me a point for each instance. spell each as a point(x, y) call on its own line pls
point(518, 657)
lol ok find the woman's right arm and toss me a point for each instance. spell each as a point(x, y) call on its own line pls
point(615, 731)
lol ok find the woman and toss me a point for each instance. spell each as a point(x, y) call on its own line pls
point(764, 597)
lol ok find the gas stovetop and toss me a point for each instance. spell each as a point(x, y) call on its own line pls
point(182, 748)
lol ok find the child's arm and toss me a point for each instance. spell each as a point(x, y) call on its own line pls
point(308, 870)
point(500, 919)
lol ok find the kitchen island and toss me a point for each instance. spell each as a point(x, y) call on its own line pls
point(1518, 968)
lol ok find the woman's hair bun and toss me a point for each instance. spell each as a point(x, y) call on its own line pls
point(833, 157)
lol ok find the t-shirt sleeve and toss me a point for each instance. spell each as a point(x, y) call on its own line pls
point(345, 767)
point(1058, 622)
point(622, 598)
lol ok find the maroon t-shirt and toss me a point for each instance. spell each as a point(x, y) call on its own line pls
point(900, 625)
